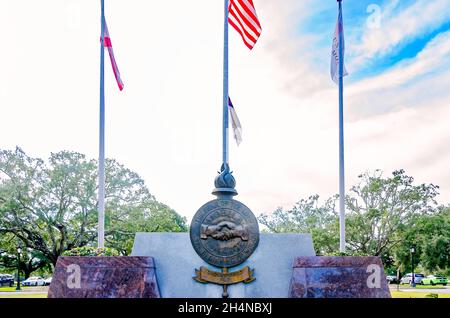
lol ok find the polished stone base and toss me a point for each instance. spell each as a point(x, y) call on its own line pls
point(176, 262)
point(104, 277)
point(338, 277)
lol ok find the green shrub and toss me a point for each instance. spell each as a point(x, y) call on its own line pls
point(91, 251)
point(338, 254)
point(432, 295)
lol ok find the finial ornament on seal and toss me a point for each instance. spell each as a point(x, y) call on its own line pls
point(225, 183)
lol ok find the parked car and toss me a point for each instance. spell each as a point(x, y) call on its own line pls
point(435, 280)
point(391, 279)
point(47, 281)
point(407, 279)
point(6, 280)
point(34, 281)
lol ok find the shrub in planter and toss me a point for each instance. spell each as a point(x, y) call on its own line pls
point(91, 251)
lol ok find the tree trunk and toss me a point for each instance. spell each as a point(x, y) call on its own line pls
point(53, 259)
point(26, 271)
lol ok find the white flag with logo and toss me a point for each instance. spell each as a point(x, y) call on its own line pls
point(235, 123)
point(335, 50)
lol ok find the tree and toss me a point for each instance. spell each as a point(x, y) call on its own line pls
point(436, 230)
point(430, 236)
point(52, 207)
point(378, 212)
point(30, 260)
point(377, 208)
point(308, 216)
point(153, 216)
point(130, 208)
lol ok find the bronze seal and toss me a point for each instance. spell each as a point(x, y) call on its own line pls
point(224, 232)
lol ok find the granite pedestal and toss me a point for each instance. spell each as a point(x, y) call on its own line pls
point(176, 260)
point(338, 277)
point(104, 277)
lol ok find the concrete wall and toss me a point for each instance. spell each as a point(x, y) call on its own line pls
point(176, 260)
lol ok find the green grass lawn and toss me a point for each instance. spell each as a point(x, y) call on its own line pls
point(24, 295)
point(24, 288)
point(403, 294)
point(422, 286)
point(29, 292)
point(7, 288)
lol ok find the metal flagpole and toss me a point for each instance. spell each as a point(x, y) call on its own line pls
point(224, 182)
point(101, 157)
point(341, 136)
point(225, 157)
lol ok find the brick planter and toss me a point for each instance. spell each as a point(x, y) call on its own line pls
point(104, 277)
point(338, 277)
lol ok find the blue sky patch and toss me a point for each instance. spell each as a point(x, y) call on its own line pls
point(321, 22)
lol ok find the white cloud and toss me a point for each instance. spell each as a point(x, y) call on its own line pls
point(166, 124)
point(387, 92)
point(399, 25)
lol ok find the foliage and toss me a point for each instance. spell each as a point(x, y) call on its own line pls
point(51, 206)
point(30, 260)
point(378, 207)
point(385, 216)
point(308, 216)
point(430, 236)
point(91, 251)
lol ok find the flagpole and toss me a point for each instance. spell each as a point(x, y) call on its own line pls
point(341, 138)
point(101, 159)
point(225, 158)
point(225, 182)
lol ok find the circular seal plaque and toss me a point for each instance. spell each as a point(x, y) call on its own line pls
point(224, 232)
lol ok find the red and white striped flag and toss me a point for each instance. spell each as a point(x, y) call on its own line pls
point(242, 16)
point(107, 43)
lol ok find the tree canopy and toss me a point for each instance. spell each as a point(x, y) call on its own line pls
point(51, 206)
point(308, 216)
point(385, 216)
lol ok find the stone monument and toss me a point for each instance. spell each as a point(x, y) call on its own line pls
point(338, 277)
point(104, 277)
point(224, 233)
point(176, 261)
point(226, 255)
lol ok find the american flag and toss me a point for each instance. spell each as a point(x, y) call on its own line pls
point(242, 16)
point(107, 43)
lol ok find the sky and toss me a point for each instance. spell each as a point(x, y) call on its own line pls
point(166, 124)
